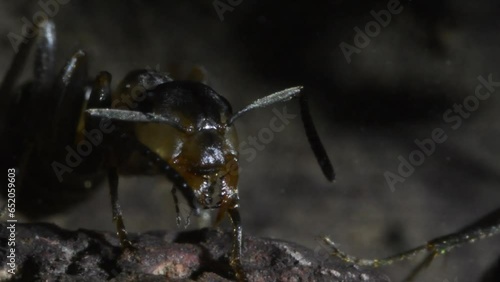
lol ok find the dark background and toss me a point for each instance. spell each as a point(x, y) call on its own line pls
point(367, 112)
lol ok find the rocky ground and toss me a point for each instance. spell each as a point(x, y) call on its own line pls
point(46, 252)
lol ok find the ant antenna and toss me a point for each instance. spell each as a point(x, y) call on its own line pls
point(311, 133)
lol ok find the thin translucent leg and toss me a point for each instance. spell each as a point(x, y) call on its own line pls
point(485, 227)
point(235, 261)
point(116, 209)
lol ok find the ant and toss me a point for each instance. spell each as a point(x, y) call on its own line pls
point(181, 129)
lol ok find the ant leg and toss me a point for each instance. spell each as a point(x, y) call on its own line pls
point(176, 204)
point(117, 211)
point(100, 96)
point(15, 104)
point(44, 61)
point(485, 227)
point(14, 72)
point(45, 57)
point(69, 93)
point(178, 218)
point(371, 262)
point(131, 142)
point(20, 107)
point(235, 261)
point(166, 168)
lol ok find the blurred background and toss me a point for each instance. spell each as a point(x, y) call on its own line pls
point(369, 107)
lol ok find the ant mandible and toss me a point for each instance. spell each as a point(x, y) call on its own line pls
point(181, 129)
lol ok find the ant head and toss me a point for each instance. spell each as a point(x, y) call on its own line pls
point(208, 163)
